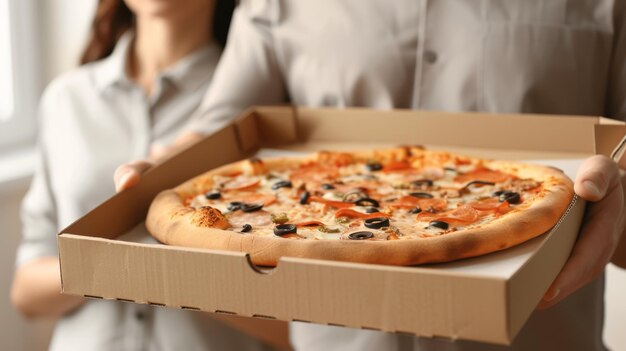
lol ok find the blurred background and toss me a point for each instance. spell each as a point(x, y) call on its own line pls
point(40, 39)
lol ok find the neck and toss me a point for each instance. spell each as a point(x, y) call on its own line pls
point(161, 42)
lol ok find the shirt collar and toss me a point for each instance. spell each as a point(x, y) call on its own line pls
point(187, 74)
point(195, 69)
point(112, 69)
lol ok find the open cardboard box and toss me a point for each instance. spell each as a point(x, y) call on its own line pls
point(485, 299)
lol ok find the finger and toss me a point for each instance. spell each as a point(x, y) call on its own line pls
point(596, 176)
point(158, 151)
point(129, 174)
point(593, 249)
point(581, 267)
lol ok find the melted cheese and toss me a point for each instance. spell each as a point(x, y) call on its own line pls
point(384, 187)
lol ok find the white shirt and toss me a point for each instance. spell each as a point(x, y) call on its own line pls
point(528, 56)
point(92, 120)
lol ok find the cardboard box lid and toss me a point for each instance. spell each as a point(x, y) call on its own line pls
point(416, 300)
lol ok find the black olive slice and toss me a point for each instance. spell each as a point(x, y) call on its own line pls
point(478, 182)
point(500, 192)
point(415, 210)
point(284, 229)
point(377, 222)
point(511, 197)
point(354, 195)
point(281, 184)
point(327, 186)
point(235, 205)
point(422, 195)
point(422, 182)
point(372, 209)
point(439, 224)
point(366, 201)
point(213, 195)
point(450, 169)
point(373, 166)
point(246, 228)
point(251, 207)
point(304, 197)
point(362, 235)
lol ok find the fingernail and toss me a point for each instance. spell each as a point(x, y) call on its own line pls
point(551, 295)
point(592, 188)
point(123, 180)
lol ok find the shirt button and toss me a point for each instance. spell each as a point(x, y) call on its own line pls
point(430, 56)
point(139, 315)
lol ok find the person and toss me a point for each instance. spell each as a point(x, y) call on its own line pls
point(145, 69)
point(563, 57)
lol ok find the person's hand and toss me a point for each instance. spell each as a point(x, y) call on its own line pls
point(129, 174)
point(598, 181)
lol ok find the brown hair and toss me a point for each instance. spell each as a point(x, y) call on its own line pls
point(113, 18)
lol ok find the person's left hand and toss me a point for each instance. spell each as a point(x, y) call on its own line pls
point(598, 181)
point(129, 174)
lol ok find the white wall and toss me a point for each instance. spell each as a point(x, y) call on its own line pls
point(615, 318)
point(63, 26)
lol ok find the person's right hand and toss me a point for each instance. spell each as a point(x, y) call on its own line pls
point(129, 174)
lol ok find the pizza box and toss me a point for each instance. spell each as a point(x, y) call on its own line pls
point(107, 254)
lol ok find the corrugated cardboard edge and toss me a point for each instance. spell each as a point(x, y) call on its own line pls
point(543, 268)
point(618, 153)
point(544, 127)
point(148, 282)
point(610, 140)
point(256, 129)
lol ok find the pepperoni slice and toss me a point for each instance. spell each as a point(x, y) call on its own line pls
point(491, 205)
point(242, 183)
point(346, 212)
point(314, 173)
point(486, 174)
point(406, 202)
point(397, 166)
point(462, 161)
point(488, 204)
point(436, 204)
point(311, 223)
point(462, 215)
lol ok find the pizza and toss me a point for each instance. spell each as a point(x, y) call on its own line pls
point(397, 206)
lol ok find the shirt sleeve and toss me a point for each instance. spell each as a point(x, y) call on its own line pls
point(38, 212)
point(617, 74)
point(248, 73)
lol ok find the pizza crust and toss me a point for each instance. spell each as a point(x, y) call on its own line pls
point(173, 223)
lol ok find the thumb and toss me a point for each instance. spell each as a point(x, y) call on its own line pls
point(596, 176)
point(157, 151)
point(129, 174)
